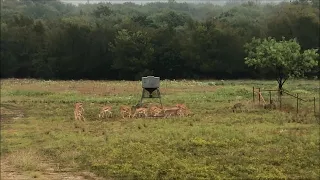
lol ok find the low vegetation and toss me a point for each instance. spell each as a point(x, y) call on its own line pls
point(38, 126)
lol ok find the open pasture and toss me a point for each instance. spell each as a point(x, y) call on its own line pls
point(38, 131)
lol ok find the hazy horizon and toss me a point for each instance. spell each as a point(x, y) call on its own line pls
point(218, 2)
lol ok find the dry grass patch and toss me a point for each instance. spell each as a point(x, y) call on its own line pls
point(25, 160)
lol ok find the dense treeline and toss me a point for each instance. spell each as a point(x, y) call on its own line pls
point(49, 39)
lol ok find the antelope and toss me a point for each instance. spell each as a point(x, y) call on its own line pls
point(155, 110)
point(181, 106)
point(104, 110)
point(237, 106)
point(125, 110)
point(183, 110)
point(171, 111)
point(270, 106)
point(78, 112)
point(141, 111)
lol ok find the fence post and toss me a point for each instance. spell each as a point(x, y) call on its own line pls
point(253, 94)
point(259, 95)
point(280, 99)
point(270, 97)
point(314, 105)
point(297, 103)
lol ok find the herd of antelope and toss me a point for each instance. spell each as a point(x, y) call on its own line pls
point(135, 111)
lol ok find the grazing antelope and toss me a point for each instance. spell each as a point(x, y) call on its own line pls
point(181, 106)
point(155, 111)
point(270, 106)
point(104, 110)
point(237, 106)
point(78, 112)
point(183, 110)
point(152, 109)
point(180, 113)
point(168, 112)
point(125, 110)
point(141, 111)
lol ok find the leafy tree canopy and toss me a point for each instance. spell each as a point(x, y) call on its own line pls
point(285, 58)
point(57, 40)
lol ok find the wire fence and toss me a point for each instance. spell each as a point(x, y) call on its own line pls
point(286, 102)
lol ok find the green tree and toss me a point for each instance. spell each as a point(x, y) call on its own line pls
point(284, 58)
point(54, 39)
point(132, 54)
point(315, 3)
point(288, 20)
point(173, 19)
point(102, 11)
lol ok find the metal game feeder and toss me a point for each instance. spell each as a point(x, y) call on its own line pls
point(150, 88)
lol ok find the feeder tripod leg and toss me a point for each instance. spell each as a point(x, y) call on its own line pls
point(158, 92)
point(140, 103)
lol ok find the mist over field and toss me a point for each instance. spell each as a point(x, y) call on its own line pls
point(217, 2)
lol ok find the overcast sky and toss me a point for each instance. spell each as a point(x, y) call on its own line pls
point(148, 1)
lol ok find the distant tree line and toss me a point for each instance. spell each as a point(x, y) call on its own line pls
point(53, 40)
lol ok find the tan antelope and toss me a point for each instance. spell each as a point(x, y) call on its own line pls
point(272, 105)
point(125, 111)
point(78, 112)
point(104, 110)
point(141, 111)
point(237, 106)
point(168, 112)
point(155, 111)
point(181, 106)
point(183, 110)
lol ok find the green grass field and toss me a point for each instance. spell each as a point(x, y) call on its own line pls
point(38, 128)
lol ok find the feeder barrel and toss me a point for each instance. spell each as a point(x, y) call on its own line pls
point(150, 82)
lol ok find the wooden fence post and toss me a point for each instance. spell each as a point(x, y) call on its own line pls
point(253, 94)
point(259, 95)
point(270, 97)
point(314, 105)
point(297, 103)
point(280, 99)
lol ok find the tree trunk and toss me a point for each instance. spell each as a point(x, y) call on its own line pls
point(281, 80)
point(280, 87)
